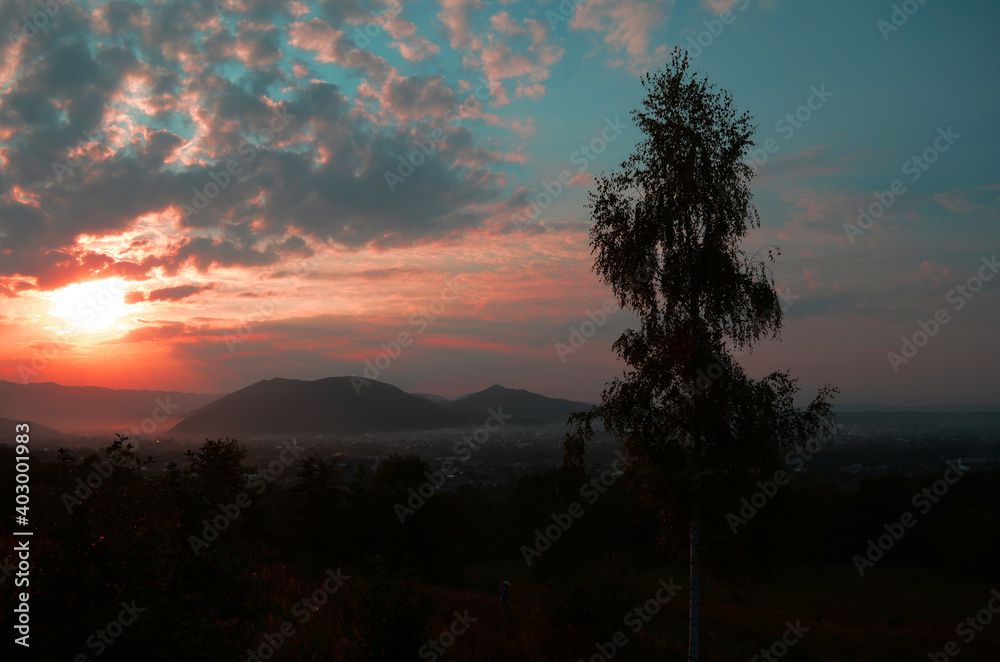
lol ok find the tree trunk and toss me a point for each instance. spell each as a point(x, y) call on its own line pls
point(695, 588)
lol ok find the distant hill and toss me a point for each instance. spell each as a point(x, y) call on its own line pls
point(331, 406)
point(8, 433)
point(92, 408)
point(923, 419)
point(525, 407)
point(919, 420)
point(852, 408)
point(439, 399)
point(324, 406)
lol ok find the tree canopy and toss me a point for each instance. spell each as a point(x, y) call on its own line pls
point(680, 207)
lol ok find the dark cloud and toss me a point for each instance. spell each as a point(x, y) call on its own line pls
point(177, 293)
point(123, 14)
point(311, 165)
point(146, 333)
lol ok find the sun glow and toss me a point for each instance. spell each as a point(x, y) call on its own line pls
point(91, 307)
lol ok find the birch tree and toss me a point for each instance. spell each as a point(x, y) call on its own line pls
point(697, 427)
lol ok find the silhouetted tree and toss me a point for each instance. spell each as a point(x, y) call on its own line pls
point(317, 503)
point(684, 409)
point(319, 479)
point(217, 469)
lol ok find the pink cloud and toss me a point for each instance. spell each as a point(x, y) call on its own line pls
point(719, 6)
point(957, 202)
point(331, 45)
point(928, 273)
point(412, 98)
point(455, 16)
point(505, 25)
point(500, 62)
point(624, 25)
point(410, 45)
point(536, 91)
point(416, 49)
point(812, 278)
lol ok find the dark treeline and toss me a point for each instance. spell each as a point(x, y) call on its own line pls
point(207, 561)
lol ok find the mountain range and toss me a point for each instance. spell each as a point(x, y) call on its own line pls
point(346, 405)
point(524, 407)
point(335, 405)
point(341, 405)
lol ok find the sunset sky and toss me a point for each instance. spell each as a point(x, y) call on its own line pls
point(131, 258)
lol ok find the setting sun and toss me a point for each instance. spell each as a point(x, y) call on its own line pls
point(89, 307)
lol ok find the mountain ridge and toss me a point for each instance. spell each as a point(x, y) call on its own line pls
point(57, 409)
point(332, 405)
point(524, 407)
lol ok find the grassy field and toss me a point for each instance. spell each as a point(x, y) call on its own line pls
point(890, 614)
